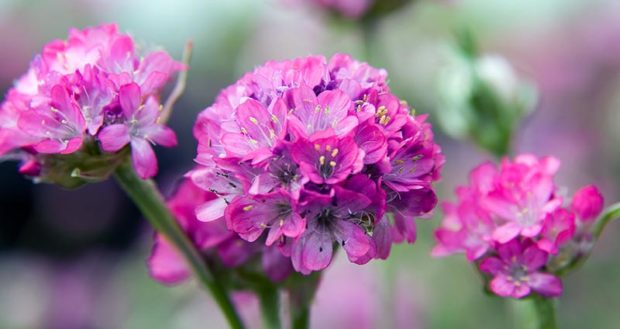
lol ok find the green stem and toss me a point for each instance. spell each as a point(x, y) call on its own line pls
point(150, 202)
point(612, 212)
point(301, 293)
point(545, 312)
point(269, 299)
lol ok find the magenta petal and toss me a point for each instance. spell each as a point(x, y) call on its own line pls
point(501, 286)
point(211, 210)
point(506, 232)
point(317, 250)
point(143, 158)
point(163, 136)
point(114, 137)
point(165, 264)
point(130, 99)
point(352, 238)
point(492, 265)
point(293, 225)
point(49, 146)
point(72, 145)
point(534, 258)
point(546, 284)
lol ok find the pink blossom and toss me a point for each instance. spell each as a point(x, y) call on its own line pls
point(316, 153)
point(75, 89)
point(139, 127)
point(587, 203)
point(510, 221)
point(518, 271)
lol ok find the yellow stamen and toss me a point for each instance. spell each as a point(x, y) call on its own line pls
point(253, 120)
point(332, 163)
point(334, 152)
point(328, 148)
point(248, 207)
point(322, 160)
point(317, 147)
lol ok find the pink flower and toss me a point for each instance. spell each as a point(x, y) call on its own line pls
point(522, 197)
point(518, 271)
point(328, 160)
point(138, 126)
point(587, 203)
point(58, 125)
point(558, 229)
point(511, 223)
point(249, 216)
point(316, 153)
point(75, 89)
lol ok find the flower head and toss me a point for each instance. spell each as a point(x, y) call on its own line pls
point(94, 86)
point(511, 221)
point(309, 154)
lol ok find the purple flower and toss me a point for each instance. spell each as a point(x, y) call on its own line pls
point(139, 127)
point(518, 271)
point(249, 216)
point(317, 153)
point(328, 160)
point(330, 220)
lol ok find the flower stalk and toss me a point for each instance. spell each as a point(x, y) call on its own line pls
point(151, 203)
point(545, 312)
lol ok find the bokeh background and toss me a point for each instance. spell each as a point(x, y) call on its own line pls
point(76, 259)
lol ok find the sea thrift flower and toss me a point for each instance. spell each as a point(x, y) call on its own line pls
point(516, 272)
point(140, 128)
point(213, 239)
point(311, 154)
point(92, 87)
point(511, 221)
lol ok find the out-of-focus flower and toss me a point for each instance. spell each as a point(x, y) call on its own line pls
point(213, 239)
point(319, 154)
point(511, 222)
point(481, 98)
point(517, 271)
point(92, 87)
point(355, 9)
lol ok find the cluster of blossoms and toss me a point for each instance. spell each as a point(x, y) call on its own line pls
point(213, 239)
point(94, 86)
point(512, 223)
point(317, 154)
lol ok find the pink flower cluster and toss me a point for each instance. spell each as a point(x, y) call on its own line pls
point(308, 154)
point(93, 86)
point(511, 222)
point(213, 239)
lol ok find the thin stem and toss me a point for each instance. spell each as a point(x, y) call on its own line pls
point(150, 202)
point(301, 293)
point(545, 312)
point(612, 212)
point(180, 85)
point(269, 299)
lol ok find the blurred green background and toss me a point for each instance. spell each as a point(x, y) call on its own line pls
point(77, 260)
